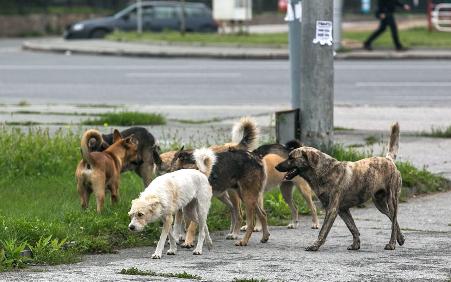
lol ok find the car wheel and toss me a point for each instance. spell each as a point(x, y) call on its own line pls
point(98, 33)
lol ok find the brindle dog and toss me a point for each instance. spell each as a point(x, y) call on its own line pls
point(342, 185)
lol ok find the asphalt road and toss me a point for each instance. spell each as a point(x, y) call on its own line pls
point(425, 256)
point(60, 79)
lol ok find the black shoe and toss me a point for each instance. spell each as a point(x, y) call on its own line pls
point(401, 49)
point(367, 47)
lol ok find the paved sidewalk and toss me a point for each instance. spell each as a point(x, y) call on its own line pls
point(158, 49)
point(426, 255)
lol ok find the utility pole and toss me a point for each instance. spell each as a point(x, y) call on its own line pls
point(338, 12)
point(317, 80)
point(294, 40)
point(139, 16)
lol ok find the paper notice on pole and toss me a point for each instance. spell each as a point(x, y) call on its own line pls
point(298, 11)
point(293, 14)
point(323, 33)
point(290, 13)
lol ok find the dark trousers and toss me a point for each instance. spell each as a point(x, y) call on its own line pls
point(389, 20)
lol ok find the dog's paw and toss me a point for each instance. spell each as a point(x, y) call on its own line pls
point(312, 248)
point(231, 236)
point(187, 245)
point(240, 243)
point(156, 256)
point(390, 247)
point(243, 228)
point(291, 226)
point(315, 225)
point(197, 252)
point(354, 247)
point(170, 252)
point(401, 239)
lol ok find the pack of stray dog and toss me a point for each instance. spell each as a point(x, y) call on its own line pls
point(184, 182)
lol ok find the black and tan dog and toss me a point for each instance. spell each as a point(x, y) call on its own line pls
point(239, 171)
point(272, 155)
point(245, 135)
point(342, 185)
point(99, 171)
point(147, 156)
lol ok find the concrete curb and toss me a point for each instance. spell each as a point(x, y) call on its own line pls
point(112, 48)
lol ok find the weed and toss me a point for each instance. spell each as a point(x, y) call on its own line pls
point(248, 280)
point(438, 133)
point(48, 250)
point(23, 103)
point(370, 140)
point(126, 119)
point(11, 255)
point(339, 128)
point(201, 121)
point(136, 271)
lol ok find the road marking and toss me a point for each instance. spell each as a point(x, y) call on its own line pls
point(146, 67)
point(407, 67)
point(404, 84)
point(184, 75)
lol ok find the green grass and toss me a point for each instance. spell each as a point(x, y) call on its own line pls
point(438, 133)
point(272, 39)
point(413, 38)
point(127, 118)
point(136, 271)
point(40, 207)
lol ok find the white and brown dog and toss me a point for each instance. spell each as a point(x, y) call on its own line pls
point(187, 190)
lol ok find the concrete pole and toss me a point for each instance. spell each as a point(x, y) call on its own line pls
point(294, 41)
point(139, 16)
point(317, 80)
point(338, 12)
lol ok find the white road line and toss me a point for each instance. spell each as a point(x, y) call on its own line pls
point(407, 67)
point(183, 75)
point(150, 67)
point(403, 84)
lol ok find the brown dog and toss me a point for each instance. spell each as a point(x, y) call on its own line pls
point(342, 185)
point(99, 171)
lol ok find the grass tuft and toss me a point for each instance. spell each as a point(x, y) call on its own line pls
point(136, 271)
point(127, 119)
point(438, 133)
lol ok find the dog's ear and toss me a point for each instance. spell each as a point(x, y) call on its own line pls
point(116, 136)
point(131, 140)
point(311, 157)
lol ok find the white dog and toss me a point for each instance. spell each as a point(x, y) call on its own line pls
point(186, 189)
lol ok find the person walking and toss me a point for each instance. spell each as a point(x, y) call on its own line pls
point(385, 13)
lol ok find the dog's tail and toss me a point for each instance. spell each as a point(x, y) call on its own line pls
point(393, 145)
point(205, 159)
point(90, 139)
point(245, 133)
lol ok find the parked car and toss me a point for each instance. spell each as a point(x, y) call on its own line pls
point(156, 16)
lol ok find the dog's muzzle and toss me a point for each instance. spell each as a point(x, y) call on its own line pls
point(132, 227)
point(292, 173)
